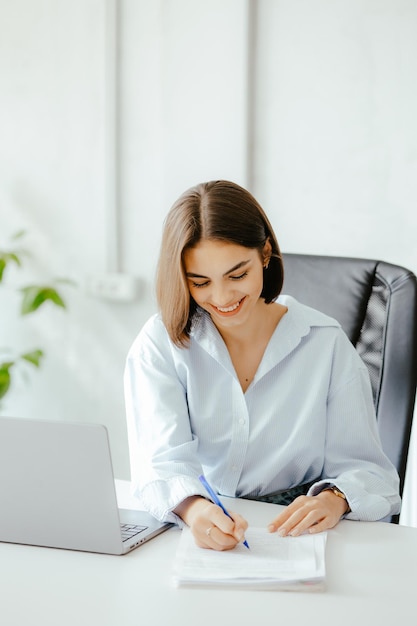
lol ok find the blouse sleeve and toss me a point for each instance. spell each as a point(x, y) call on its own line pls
point(163, 460)
point(354, 459)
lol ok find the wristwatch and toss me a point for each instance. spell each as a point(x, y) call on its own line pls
point(338, 493)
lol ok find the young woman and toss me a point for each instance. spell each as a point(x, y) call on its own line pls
point(264, 396)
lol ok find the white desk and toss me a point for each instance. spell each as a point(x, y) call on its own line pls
point(371, 579)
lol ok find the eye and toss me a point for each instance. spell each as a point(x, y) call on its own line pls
point(239, 277)
point(199, 285)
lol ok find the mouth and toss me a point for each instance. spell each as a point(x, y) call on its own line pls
point(229, 310)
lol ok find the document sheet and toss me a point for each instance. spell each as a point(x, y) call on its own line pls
point(272, 562)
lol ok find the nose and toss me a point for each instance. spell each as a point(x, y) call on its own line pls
point(222, 294)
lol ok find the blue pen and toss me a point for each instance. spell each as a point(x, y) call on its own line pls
point(216, 500)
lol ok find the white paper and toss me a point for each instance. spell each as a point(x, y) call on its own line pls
point(272, 561)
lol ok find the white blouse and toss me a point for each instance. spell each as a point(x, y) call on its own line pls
point(308, 414)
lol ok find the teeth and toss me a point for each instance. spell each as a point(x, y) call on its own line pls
point(229, 308)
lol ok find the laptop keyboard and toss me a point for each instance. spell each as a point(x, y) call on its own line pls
point(130, 530)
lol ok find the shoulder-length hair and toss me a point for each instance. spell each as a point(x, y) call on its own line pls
point(218, 211)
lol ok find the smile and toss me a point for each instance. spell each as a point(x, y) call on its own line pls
point(229, 309)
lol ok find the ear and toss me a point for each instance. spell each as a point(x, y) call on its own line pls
point(266, 253)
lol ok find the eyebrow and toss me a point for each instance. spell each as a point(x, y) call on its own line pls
point(233, 269)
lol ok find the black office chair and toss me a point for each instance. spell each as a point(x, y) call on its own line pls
point(376, 305)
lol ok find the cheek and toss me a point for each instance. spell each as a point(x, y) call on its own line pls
point(196, 294)
point(257, 284)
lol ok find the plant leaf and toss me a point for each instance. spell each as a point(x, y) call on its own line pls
point(33, 357)
point(4, 379)
point(13, 257)
point(19, 234)
point(65, 281)
point(5, 258)
point(34, 296)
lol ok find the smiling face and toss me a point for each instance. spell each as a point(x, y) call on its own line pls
point(226, 280)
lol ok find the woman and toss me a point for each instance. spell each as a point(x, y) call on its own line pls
point(265, 396)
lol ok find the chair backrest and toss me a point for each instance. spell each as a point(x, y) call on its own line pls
point(376, 305)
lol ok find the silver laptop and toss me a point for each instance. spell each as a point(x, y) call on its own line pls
point(57, 489)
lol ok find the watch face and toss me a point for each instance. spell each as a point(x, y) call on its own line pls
point(336, 492)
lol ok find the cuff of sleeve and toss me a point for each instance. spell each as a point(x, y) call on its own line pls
point(161, 497)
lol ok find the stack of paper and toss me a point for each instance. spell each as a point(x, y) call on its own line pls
point(273, 562)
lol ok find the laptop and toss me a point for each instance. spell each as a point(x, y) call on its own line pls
point(57, 489)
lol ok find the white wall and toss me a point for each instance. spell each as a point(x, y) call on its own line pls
point(182, 119)
point(318, 121)
point(336, 131)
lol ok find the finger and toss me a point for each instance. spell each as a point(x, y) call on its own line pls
point(212, 528)
point(307, 522)
point(324, 513)
point(213, 515)
point(239, 520)
point(241, 526)
point(325, 524)
point(286, 514)
point(278, 521)
point(295, 523)
point(234, 525)
point(215, 539)
point(300, 515)
point(306, 513)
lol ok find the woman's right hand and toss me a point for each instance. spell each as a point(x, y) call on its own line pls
point(210, 526)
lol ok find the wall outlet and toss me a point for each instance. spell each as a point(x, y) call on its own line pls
point(113, 286)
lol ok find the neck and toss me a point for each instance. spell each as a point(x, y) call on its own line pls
point(254, 330)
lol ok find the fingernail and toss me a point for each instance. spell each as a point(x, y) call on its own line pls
point(240, 535)
point(271, 528)
point(282, 532)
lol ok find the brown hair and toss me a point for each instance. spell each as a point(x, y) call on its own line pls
point(220, 211)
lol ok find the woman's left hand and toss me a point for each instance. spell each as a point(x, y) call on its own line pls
point(311, 514)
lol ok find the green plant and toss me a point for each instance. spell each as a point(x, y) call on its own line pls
point(32, 297)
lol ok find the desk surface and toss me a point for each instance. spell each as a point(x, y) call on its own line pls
point(371, 578)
